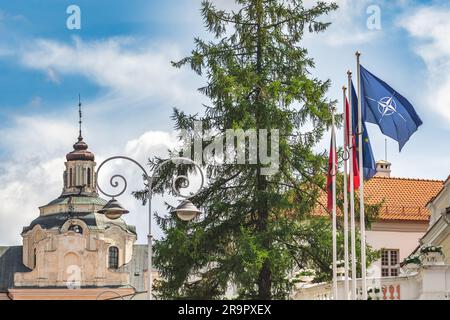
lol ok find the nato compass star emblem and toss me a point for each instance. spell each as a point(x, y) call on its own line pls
point(386, 107)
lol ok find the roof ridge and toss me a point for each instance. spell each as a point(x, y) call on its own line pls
point(410, 179)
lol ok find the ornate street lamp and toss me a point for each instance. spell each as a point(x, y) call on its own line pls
point(186, 210)
point(113, 210)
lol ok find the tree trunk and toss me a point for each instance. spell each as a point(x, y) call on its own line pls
point(265, 274)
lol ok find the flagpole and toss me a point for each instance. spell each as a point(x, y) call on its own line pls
point(346, 157)
point(352, 190)
point(362, 223)
point(333, 173)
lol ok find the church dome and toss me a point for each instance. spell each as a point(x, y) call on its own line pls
point(84, 208)
point(80, 152)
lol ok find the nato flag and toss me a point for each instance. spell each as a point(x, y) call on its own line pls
point(369, 166)
point(388, 109)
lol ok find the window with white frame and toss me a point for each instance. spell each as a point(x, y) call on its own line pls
point(390, 264)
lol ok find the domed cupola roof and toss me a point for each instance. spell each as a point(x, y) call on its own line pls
point(80, 151)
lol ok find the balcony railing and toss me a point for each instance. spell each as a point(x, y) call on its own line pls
point(388, 288)
point(427, 282)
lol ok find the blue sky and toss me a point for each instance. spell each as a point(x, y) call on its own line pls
point(120, 63)
point(23, 22)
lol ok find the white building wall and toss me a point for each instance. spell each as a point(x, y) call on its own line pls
point(439, 204)
point(404, 240)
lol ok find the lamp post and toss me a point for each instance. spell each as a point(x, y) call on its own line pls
point(186, 210)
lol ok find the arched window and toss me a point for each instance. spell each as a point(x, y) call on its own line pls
point(113, 258)
point(89, 177)
point(76, 228)
point(70, 177)
point(34, 258)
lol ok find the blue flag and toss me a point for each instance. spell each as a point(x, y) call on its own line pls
point(369, 166)
point(388, 109)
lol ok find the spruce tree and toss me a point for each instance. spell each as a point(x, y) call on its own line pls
point(255, 228)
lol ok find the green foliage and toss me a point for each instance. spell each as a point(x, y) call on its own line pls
point(313, 247)
point(256, 228)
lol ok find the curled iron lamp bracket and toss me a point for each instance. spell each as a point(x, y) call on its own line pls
point(116, 180)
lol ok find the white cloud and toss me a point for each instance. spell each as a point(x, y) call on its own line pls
point(37, 138)
point(430, 27)
point(124, 66)
point(348, 24)
point(150, 143)
point(52, 76)
point(32, 172)
point(25, 186)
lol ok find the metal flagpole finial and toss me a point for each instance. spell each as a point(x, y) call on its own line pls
point(358, 53)
point(344, 88)
point(349, 73)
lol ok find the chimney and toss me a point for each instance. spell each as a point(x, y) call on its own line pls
point(383, 169)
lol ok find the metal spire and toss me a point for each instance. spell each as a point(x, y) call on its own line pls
point(80, 137)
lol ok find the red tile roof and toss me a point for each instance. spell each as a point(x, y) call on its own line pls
point(404, 199)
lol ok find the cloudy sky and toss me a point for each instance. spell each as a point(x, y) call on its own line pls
point(120, 63)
